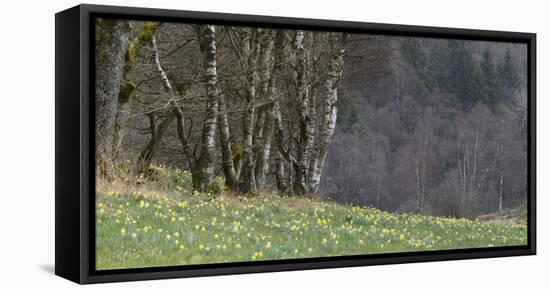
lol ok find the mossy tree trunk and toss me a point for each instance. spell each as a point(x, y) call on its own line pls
point(111, 46)
point(127, 86)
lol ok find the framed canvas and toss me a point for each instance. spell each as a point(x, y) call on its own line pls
point(195, 144)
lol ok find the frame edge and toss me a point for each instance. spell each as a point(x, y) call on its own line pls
point(86, 273)
point(67, 145)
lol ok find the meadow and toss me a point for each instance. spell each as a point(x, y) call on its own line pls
point(163, 222)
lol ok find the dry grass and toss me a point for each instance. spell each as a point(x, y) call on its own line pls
point(516, 216)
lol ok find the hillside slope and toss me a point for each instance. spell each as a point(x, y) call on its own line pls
point(177, 227)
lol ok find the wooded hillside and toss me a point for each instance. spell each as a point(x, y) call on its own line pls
point(404, 124)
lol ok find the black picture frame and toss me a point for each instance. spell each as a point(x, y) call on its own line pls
point(74, 148)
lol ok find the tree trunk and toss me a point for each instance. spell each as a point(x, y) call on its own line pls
point(421, 163)
point(251, 49)
point(424, 175)
point(147, 153)
point(312, 153)
point(501, 175)
point(204, 171)
point(278, 129)
point(176, 110)
point(227, 152)
point(127, 86)
point(267, 91)
point(264, 149)
point(329, 110)
point(282, 185)
point(111, 45)
point(417, 195)
point(257, 136)
point(302, 94)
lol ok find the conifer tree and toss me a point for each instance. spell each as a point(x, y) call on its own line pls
point(508, 76)
point(490, 87)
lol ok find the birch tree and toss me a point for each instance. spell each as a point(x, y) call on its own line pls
point(303, 97)
point(157, 131)
point(251, 41)
point(227, 152)
point(280, 53)
point(308, 112)
point(203, 173)
point(473, 170)
point(267, 91)
point(329, 112)
point(201, 167)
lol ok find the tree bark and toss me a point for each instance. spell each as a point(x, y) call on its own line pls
point(281, 156)
point(204, 171)
point(251, 47)
point(278, 128)
point(329, 110)
point(302, 94)
point(231, 180)
point(267, 91)
point(111, 45)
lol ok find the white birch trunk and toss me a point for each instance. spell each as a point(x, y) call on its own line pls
point(204, 172)
point(329, 113)
point(303, 96)
point(251, 47)
point(176, 110)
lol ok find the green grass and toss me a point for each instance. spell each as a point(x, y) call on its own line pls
point(149, 229)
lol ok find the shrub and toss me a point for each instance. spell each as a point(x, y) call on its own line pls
point(217, 186)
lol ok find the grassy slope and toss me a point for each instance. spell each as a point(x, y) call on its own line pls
point(144, 229)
